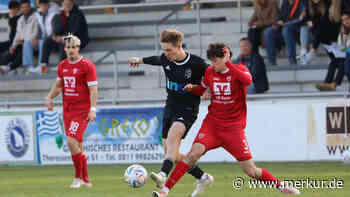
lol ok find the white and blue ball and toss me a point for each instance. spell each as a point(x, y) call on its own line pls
point(135, 176)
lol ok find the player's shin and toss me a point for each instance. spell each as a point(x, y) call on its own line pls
point(85, 174)
point(180, 169)
point(77, 162)
point(268, 178)
point(167, 167)
point(196, 172)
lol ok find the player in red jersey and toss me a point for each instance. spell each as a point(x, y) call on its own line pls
point(226, 119)
point(77, 80)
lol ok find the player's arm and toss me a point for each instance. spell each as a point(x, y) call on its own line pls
point(93, 102)
point(197, 90)
point(242, 73)
point(92, 84)
point(55, 91)
point(152, 60)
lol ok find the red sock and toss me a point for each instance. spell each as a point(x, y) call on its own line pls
point(77, 158)
point(267, 177)
point(180, 169)
point(85, 170)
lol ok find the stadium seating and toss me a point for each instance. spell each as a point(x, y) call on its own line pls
point(129, 36)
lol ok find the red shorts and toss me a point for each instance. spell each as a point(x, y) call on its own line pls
point(75, 120)
point(233, 141)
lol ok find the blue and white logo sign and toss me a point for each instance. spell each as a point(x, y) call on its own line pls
point(17, 137)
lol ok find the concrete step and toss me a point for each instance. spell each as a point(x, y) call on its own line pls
point(230, 13)
point(149, 31)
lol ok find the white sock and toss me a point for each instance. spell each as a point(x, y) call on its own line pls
point(165, 189)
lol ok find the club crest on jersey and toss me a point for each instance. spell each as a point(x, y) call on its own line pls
point(188, 73)
point(17, 137)
point(228, 78)
point(75, 70)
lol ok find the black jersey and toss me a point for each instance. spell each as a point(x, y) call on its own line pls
point(178, 75)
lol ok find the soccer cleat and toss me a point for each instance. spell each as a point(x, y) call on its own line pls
point(159, 179)
point(76, 183)
point(159, 194)
point(284, 188)
point(86, 184)
point(202, 184)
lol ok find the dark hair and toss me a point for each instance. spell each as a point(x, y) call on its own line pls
point(13, 4)
point(171, 36)
point(25, 1)
point(244, 39)
point(216, 50)
point(44, 1)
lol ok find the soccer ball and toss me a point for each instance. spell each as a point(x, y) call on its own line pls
point(346, 156)
point(135, 176)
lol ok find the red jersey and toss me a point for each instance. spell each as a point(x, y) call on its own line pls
point(77, 77)
point(228, 102)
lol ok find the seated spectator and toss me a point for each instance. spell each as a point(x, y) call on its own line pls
point(70, 20)
point(265, 14)
point(324, 20)
point(27, 30)
point(290, 23)
point(256, 65)
point(337, 59)
point(45, 16)
point(11, 60)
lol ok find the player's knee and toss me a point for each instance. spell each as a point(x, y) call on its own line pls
point(193, 157)
point(180, 157)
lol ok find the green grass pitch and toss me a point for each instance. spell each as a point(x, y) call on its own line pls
point(108, 180)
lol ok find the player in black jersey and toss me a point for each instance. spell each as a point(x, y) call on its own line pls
point(181, 109)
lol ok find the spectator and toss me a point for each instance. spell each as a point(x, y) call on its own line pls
point(70, 20)
point(265, 14)
point(337, 59)
point(45, 16)
point(256, 65)
point(27, 30)
point(345, 7)
point(11, 60)
point(290, 23)
point(324, 21)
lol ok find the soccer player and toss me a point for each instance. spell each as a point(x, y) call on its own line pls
point(181, 109)
point(76, 78)
point(225, 122)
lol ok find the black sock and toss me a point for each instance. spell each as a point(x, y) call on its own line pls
point(196, 172)
point(167, 166)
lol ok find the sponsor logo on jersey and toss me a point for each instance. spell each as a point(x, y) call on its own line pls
point(17, 137)
point(167, 67)
point(222, 88)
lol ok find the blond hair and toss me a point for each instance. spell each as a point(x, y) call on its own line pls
point(172, 36)
point(71, 39)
